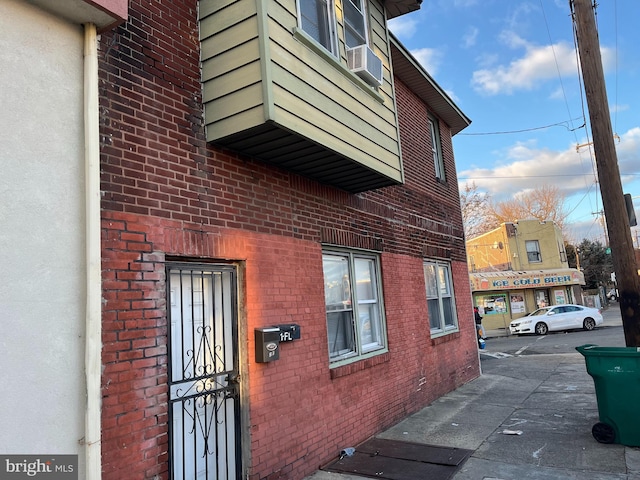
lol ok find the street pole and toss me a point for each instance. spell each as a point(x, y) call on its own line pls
point(613, 201)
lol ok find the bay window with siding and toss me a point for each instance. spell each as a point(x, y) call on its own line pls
point(353, 297)
point(440, 298)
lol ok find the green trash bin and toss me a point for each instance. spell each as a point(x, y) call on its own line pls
point(616, 376)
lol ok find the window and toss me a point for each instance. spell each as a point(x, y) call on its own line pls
point(440, 301)
point(318, 21)
point(563, 252)
point(355, 317)
point(355, 17)
point(436, 148)
point(533, 251)
point(494, 304)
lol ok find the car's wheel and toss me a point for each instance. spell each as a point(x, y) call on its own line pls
point(541, 328)
point(589, 324)
point(603, 433)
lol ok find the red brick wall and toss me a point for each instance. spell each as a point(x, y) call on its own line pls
point(300, 414)
point(167, 193)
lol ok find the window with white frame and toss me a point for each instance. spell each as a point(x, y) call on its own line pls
point(353, 298)
point(317, 19)
point(440, 299)
point(436, 148)
point(533, 251)
point(355, 28)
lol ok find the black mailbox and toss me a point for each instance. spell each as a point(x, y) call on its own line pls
point(267, 344)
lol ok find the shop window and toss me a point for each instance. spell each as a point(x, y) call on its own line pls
point(493, 304)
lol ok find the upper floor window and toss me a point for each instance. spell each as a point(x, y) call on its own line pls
point(563, 252)
point(355, 16)
point(533, 251)
point(353, 298)
point(440, 300)
point(436, 148)
point(317, 19)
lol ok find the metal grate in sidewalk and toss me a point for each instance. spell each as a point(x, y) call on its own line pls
point(398, 460)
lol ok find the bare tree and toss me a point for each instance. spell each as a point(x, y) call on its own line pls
point(544, 203)
point(476, 212)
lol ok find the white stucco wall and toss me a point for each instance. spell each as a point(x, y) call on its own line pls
point(42, 259)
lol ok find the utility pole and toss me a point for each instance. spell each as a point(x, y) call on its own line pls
point(624, 261)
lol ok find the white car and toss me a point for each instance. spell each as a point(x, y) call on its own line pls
point(557, 318)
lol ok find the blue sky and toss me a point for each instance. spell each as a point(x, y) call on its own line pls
point(511, 66)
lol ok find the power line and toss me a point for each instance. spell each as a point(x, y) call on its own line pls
point(559, 124)
point(539, 176)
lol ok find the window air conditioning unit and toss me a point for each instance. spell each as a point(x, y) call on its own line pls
point(365, 63)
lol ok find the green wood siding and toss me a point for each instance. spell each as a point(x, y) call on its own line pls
point(259, 71)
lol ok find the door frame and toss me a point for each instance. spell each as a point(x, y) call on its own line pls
point(241, 427)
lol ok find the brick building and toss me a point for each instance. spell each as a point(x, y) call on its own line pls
point(280, 279)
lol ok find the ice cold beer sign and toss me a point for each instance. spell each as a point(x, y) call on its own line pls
point(509, 282)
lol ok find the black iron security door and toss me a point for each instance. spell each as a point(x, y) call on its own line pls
point(204, 432)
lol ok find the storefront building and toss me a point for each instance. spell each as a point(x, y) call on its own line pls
point(519, 268)
point(503, 296)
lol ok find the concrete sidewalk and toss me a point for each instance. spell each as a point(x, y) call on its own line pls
point(549, 400)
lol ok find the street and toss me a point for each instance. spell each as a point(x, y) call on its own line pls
point(609, 334)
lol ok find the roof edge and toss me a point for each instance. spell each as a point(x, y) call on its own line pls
point(453, 110)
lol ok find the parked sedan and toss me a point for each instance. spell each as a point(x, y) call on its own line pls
point(557, 318)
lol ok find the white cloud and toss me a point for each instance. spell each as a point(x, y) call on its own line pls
point(512, 40)
point(590, 227)
point(618, 108)
point(557, 94)
point(537, 65)
point(452, 95)
point(470, 37)
point(487, 59)
point(464, 3)
point(628, 153)
point(429, 58)
point(404, 26)
point(521, 14)
point(523, 166)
